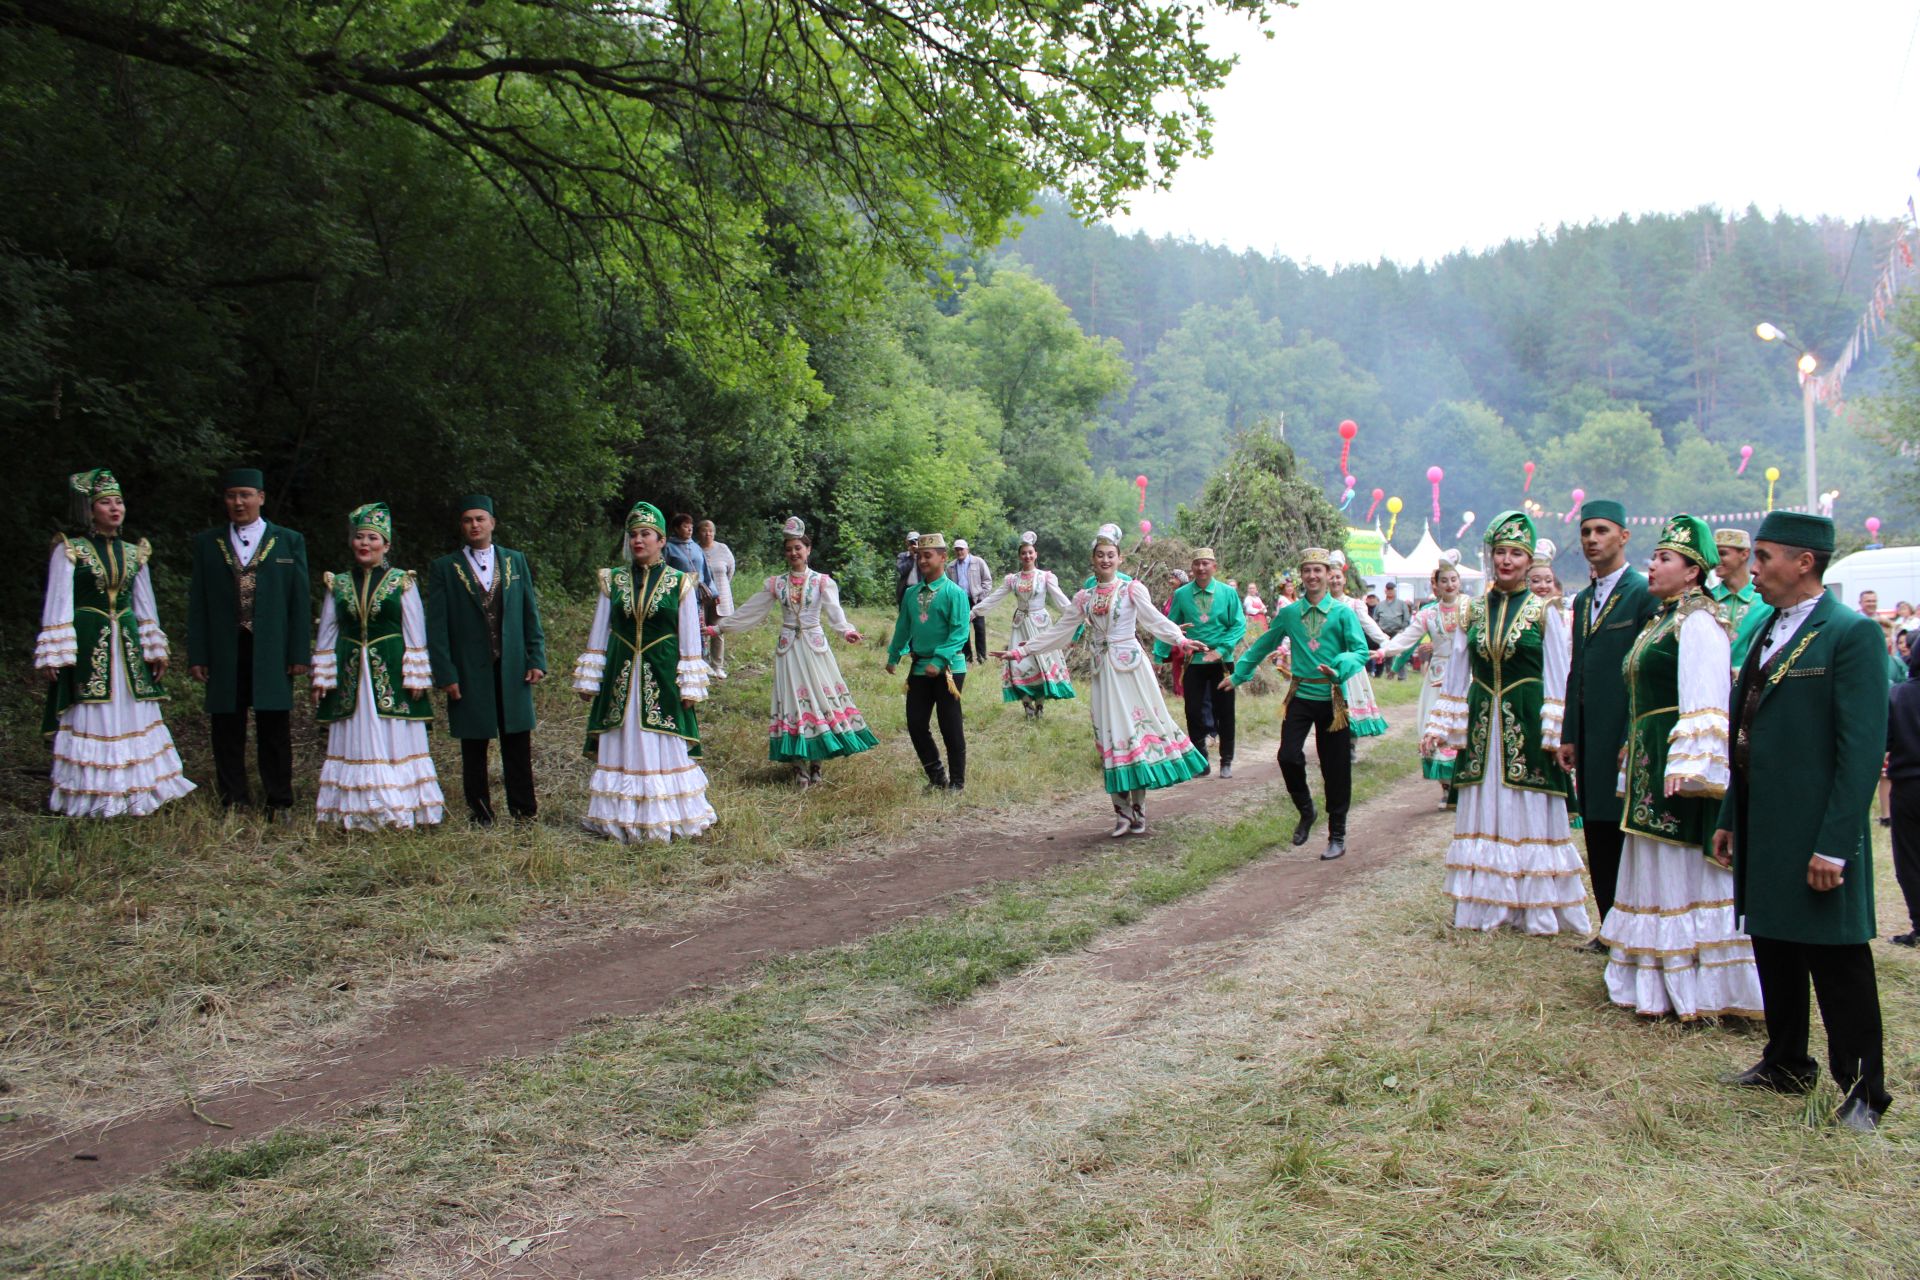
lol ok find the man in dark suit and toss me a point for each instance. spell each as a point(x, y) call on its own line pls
point(1607, 616)
point(249, 632)
point(488, 651)
point(1808, 728)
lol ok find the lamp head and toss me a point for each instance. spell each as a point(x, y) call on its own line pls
point(1766, 332)
point(1807, 363)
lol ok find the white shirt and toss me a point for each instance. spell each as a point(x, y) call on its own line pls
point(482, 562)
point(1785, 625)
point(1602, 588)
point(245, 538)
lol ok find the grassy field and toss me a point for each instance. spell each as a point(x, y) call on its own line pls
point(459, 1153)
point(138, 959)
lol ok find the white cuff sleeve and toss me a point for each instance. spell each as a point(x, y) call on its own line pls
point(1553, 712)
point(57, 646)
point(326, 670)
point(1448, 719)
point(153, 641)
point(416, 672)
point(1838, 862)
point(692, 678)
point(1697, 753)
point(588, 670)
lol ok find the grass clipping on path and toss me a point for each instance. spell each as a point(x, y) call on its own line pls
point(452, 1153)
point(1369, 1094)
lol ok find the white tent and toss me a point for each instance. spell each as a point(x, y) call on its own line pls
point(1414, 570)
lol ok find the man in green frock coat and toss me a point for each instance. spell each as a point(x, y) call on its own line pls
point(488, 651)
point(1807, 734)
point(249, 632)
point(931, 633)
point(1607, 617)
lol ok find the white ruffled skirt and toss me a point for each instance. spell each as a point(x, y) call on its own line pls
point(1672, 940)
point(646, 786)
point(378, 772)
point(1512, 862)
point(115, 759)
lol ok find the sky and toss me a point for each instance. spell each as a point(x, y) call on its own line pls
point(1410, 129)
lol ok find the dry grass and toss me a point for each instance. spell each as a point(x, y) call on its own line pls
point(1370, 1094)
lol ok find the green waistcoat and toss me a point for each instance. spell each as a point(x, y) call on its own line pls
point(1596, 718)
point(1506, 653)
point(276, 580)
point(366, 609)
point(103, 573)
point(460, 642)
point(643, 654)
point(1653, 709)
point(1809, 733)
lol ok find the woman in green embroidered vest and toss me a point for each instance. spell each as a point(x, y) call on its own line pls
point(1512, 862)
point(643, 672)
point(104, 655)
point(1672, 938)
point(371, 676)
point(814, 717)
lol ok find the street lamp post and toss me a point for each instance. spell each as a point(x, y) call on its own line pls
point(1807, 364)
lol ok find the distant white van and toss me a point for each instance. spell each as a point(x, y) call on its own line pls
point(1893, 573)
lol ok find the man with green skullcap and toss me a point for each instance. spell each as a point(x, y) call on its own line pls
point(488, 651)
point(249, 611)
point(1607, 616)
point(1808, 732)
point(1739, 599)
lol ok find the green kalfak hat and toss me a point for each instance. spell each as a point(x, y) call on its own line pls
point(244, 478)
point(1513, 529)
point(475, 502)
point(644, 515)
point(1690, 536)
point(1603, 509)
point(1797, 529)
point(374, 516)
point(83, 487)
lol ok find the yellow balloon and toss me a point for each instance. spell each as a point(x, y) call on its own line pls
point(1394, 505)
point(1773, 474)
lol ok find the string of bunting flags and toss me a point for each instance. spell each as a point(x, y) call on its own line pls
point(1897, 274)
point(1731, 517)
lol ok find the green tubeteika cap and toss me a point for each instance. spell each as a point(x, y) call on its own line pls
point(476, 502)
point(1797, 529)
point(243, 478)
point(1603, 509)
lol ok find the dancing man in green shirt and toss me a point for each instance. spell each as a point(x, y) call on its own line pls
point(1210, 613)
point(931, 632)
point(1328, 650)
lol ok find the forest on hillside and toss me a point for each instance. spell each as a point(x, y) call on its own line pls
point(1619, 357)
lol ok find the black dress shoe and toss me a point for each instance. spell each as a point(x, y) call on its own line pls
point(1858, 1116)
point(1305, 828)
point(1773, 1079)
point(1906, 939)
point(1596, 946)
point(1336, 848)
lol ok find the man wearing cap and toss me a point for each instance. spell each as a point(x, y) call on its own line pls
point(970, 573)
point(1808, 729)
point(1328, 650)
point(1209, 612)
point(248, 635)
point(931, 633)
point(1738, 598)
point(488, 650)
point(904, 572)
point(1607, 617)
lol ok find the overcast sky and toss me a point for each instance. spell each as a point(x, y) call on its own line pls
point(1409, 129)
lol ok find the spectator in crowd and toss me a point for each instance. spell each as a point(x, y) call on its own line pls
point(905, 571)
point(1393, 615)
point(684, 554)
point(721, 568)
point(971, 574)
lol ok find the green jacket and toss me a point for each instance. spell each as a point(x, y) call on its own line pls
point(282, 613)
point(460, 642)
point(1815, 744)
point(1221, 626)
point(1596, 719)
point(1334, 638)
point(936, 639)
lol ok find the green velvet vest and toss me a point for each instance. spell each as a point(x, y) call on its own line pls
point(1506, 650)
point(643, 655)
point(1653, 708)
point(103, 574)
point(366, 605)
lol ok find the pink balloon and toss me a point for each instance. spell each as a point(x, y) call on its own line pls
point(1434, 474)
point(1746, 451)
point(1528, 468)
point(1379, 494)
point(1350, 482)
point(1579, 496)
point(1146, 527)
point(1873, 524)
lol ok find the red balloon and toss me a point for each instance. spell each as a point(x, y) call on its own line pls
point(1141, 481)
point(1349, 429)
point(1379, 494)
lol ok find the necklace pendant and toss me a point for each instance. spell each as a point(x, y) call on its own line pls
point(923, 617)
point(1314, 645)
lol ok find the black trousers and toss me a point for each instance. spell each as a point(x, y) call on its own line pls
point(273, 743)
point(516, 767)
point(1605, 840)
point(1335, 749)
point(926, 696)
point(1906, 844)
point(1202, 691)
point(1843, 981)
point(976, 648)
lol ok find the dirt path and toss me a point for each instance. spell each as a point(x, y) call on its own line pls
point(526, 1007)
point(709, 1197)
